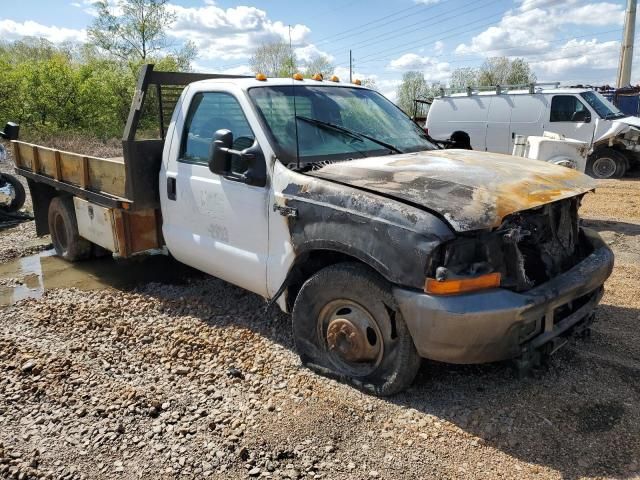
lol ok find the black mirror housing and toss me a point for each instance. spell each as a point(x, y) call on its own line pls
point(221, 153)
point(581, 117)
point(219, 156)
point(256, 174)
point(11, 131)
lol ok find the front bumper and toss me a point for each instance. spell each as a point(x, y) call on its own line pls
point(499, 324)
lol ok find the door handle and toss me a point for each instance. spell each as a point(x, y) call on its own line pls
point(171, 188)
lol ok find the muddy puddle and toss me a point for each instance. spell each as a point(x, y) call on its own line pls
point(30, 277)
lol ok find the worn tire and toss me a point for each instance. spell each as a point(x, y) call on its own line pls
point(606, 163)
point(19, 194)
point(623, 167)
point(354, 285)
point(63, 228)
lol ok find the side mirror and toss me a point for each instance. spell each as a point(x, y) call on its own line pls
point(219, 155)
point(581, 116)
point(11, 131)
point(251, 159)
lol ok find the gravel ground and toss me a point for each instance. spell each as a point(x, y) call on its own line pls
point(191, 378)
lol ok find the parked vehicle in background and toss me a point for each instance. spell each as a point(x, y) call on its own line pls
point(12, 193)
point(326, 198)
point(553, 148)
point(493, 119)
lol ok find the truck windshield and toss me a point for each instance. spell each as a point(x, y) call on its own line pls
point(603, 107)
point(335, 123)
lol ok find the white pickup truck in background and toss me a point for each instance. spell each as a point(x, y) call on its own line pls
point(494, 118)
point(325, 198)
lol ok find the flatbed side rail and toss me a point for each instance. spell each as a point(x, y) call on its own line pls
point(100, 180)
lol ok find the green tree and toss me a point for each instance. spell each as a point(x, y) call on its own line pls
point(274, 60)
point(414, 86)
point(503, 71)
point(464, 77)
point(318, 64)
point(137, 30)
point(370, 83)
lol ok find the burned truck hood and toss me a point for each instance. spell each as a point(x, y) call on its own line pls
point(470, 190)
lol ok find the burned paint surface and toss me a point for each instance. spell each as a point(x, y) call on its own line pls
point(394, 239)
point(470, 190)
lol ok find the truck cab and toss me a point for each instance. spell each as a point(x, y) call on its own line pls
point(325, 198)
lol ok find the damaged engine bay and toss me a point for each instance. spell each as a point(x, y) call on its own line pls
point(528, 249)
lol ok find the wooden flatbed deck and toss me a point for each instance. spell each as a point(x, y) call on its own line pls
point(100, 175)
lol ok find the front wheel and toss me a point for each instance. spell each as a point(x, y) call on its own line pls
point(606, 163)
point(346, 325)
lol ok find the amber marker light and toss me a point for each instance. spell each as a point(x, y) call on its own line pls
point(298, 76)
point(318, 77)
point(335, 79)
point(261, 77)
point(462, 285)
point(357, 81)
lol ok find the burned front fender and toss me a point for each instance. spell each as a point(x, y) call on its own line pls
point(393, 238)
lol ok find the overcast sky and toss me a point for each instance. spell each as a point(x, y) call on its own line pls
point(570, 41)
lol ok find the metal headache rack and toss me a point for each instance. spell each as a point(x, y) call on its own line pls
point(498, 89)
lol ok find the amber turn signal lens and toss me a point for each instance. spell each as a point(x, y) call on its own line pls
point(462, 285)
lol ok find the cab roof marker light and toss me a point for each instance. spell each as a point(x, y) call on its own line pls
point(298, 76)
point(318, 77)
point(335, 79)
point(261, 77)
point(462, 285)
point(357, 81)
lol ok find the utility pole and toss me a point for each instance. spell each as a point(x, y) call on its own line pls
point(626, 50)
point(350, 68)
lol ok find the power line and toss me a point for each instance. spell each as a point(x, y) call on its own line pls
point(404, 33)
point(483, 55)
point(423, 24)
point(527, 57)
point(434, 38)
point(343, 34)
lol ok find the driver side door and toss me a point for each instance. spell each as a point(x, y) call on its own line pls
point(571, 117)
point(215, 223)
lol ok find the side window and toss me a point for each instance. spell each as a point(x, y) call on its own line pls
point(209, 112)
point(567, 108)
point(277, 108)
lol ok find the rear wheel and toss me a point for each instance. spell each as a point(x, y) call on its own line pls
point(346, 325)
point(606, 163)
point(63, 228)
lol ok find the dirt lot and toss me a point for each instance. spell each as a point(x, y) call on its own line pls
point(189, 377)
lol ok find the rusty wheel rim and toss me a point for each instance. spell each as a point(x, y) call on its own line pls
point(353, 340)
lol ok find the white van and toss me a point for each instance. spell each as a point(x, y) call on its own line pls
point(493, 119)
